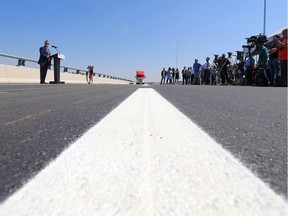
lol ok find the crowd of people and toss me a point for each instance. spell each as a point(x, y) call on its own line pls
point(270, 69)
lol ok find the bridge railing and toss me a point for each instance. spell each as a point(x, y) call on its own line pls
point(22, 62)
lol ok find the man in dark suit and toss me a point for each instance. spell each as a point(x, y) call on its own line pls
point(44, 61)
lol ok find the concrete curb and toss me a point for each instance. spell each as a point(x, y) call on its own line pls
point(13, 74)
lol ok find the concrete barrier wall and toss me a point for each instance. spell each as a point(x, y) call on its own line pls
point(14, 74)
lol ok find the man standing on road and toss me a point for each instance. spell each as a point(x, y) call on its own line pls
point(196, 67)
point(44, 61)
point(223, 71)
point(249, 66)
point(274, 63)
point(207, 79)
point(184, 80)
point(262, 51)
point(163, 76)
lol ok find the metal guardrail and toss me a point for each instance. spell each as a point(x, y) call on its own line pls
point(22, 61)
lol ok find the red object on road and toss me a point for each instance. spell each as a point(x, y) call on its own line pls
point(140, 76)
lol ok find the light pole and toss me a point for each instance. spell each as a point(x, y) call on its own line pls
point(177, 52)
point(264, 24)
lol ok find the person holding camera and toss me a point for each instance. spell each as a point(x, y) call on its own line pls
point(223, 71)
point(261, 79)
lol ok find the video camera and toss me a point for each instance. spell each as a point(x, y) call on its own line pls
point(240, 55)
point(255, 41)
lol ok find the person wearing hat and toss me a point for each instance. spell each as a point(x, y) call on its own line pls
point(44, 61)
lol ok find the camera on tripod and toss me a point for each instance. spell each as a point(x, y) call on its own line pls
point(240, 55)
point(255, 41)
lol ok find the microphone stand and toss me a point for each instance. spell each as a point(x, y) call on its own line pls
point(56, 49)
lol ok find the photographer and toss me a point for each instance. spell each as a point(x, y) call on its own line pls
point(261, 79)
point(223, 71)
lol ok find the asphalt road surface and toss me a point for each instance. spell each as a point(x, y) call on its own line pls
point(250, 122)
point(38, 122)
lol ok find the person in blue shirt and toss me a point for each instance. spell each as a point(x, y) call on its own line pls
point(169, 76)
point(196, 69)
point(249, 66)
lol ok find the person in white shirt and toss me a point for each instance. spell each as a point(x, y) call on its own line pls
point(207, 75)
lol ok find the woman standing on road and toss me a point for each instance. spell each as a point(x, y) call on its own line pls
point(90, 73)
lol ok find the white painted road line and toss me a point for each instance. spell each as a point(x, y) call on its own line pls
point(145, 158)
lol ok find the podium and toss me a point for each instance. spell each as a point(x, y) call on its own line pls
point(57, 57)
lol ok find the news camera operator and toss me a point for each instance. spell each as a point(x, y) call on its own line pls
point(223, 71)
point(262, 51)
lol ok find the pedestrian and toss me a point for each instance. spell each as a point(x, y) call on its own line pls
point(184, 70)
point(163, 76)
point(173, 75)
point(283, 58)
point(196, 67)
point(274, 64)
point(249, 66)
point(192, 75)
point(207, 66)
point(177, 75)
point(44, 61)
point(188, 75)
point(240, 72)
point(169, 76)
point(87, 76)
point(91, 73)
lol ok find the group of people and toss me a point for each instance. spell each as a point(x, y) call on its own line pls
point(269, 70)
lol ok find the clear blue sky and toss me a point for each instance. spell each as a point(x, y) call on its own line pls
point(119, 37)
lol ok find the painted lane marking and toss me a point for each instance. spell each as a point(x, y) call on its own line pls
point(145, 158)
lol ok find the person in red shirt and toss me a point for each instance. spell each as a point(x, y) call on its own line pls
point(282, 54)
